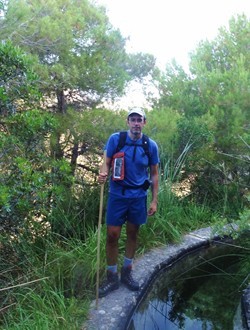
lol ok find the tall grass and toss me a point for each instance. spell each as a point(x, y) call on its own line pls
point(48, 288)
point(44, 310)
point(176, 215)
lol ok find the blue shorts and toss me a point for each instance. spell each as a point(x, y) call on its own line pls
point(120, 210)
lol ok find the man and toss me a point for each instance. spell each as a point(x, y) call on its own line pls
point(127, 201)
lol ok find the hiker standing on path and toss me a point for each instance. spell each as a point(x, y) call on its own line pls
point(133, 161)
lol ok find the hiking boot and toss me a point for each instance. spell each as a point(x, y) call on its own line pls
point(110, 284)
point(127, 279)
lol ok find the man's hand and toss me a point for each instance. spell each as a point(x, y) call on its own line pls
point(152, 208)
point(102, 177)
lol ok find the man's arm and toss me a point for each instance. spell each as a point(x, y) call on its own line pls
point(154, 177)
point(104, 169)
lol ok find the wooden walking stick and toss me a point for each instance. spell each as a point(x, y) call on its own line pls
point(99, 233)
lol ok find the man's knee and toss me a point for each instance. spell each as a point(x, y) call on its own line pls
point(132, 231)
point(113, 235)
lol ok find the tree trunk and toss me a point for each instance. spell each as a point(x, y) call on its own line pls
point(74, 157)
point(61, 101)
point(57, 151)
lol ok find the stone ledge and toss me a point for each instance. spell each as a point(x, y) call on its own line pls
point(115, 309)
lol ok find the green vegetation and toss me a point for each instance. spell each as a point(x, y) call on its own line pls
point(53, 126)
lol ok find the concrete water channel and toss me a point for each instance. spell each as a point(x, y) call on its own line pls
point(115, 310)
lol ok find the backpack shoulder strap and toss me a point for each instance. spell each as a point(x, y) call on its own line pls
point(145, 144)
point(122, 140)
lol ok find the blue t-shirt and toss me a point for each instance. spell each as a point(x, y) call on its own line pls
point(136, 171)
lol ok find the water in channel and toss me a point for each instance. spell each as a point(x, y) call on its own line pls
point(201, 291)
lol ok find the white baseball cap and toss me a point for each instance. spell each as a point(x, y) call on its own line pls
point(138, 111)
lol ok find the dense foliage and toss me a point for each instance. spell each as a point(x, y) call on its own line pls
point(50, 155)
point(17, 81)
point(213, 103)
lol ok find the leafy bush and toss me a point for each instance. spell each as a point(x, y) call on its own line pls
point(30, 180)
point(18, 88)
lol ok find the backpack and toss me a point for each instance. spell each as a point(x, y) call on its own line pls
point(144, 145)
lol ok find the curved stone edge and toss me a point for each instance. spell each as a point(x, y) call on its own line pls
point(115, 310)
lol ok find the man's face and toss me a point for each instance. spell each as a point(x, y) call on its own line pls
point(135, 124)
